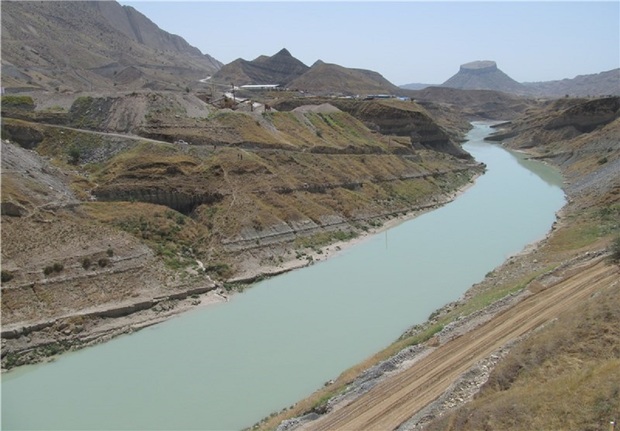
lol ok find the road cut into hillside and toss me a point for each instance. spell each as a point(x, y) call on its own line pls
point(396, 399)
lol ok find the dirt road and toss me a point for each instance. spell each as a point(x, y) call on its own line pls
point(396, 399)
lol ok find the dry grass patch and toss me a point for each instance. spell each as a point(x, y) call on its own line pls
point(177, 239)
point(565, 376)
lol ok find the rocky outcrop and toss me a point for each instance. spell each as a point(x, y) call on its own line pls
point(391, 117)
point(404, 120)
point(27, 137)
point(184, 202)
point(13, 209)
point(586, 117)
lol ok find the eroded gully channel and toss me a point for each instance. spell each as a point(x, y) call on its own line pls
point(227, 366)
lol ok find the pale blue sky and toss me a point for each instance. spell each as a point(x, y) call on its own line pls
point(406, 41)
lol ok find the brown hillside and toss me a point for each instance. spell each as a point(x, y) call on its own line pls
point(398, 118)
point(111, 47)
point(326, 78)
point(472, 104)
point(281, 68)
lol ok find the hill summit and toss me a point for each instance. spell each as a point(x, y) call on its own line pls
point(483, 75)
point(287, 71)
point(280, 68)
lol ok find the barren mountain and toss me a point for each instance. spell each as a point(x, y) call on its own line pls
point(281, 68)
point(483, 75)
point(599, 84)
point(324, 78)
point(75, 45)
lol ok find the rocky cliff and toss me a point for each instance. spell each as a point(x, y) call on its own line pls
point(393, 117)
point(580, 136)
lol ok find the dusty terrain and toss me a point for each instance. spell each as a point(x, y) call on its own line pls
point(121, 210)
point(389, 404)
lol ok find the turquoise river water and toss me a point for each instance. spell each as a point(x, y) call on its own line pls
point(226, 366)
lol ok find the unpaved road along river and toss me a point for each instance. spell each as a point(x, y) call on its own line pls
point(393, 401)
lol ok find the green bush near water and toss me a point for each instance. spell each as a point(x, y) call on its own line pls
point(17, 102)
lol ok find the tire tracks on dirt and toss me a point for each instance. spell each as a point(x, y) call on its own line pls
point(395, 400)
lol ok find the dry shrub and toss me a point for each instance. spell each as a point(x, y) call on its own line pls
point(565, 376)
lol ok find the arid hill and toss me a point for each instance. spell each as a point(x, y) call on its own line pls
point(88, 45)
point(326, 78)
point(483, 75)
point(320, 79)
point(399, 118)
point(281, 68)
point(594, 85)
point(581, 136)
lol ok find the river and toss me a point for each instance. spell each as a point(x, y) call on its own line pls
point(229, 365)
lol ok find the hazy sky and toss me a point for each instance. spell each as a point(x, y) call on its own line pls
point(406, 41)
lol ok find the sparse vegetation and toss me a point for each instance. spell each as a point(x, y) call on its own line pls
point(50, 269)
point(17, 102)
point(86, 263)
point(74, 155)
point(614, 250)
point(6, 276)
point(222, 270)
point(577, 357)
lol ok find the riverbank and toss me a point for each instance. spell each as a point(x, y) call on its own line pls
point(311, 256)
point(36, 342)
point(566, 251)
point(487, 336)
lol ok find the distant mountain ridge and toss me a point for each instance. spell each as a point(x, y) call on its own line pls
point(597, 84)
point(485, 75)
point(93, 45)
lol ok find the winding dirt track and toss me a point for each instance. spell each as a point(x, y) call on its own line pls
point(396, 399)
